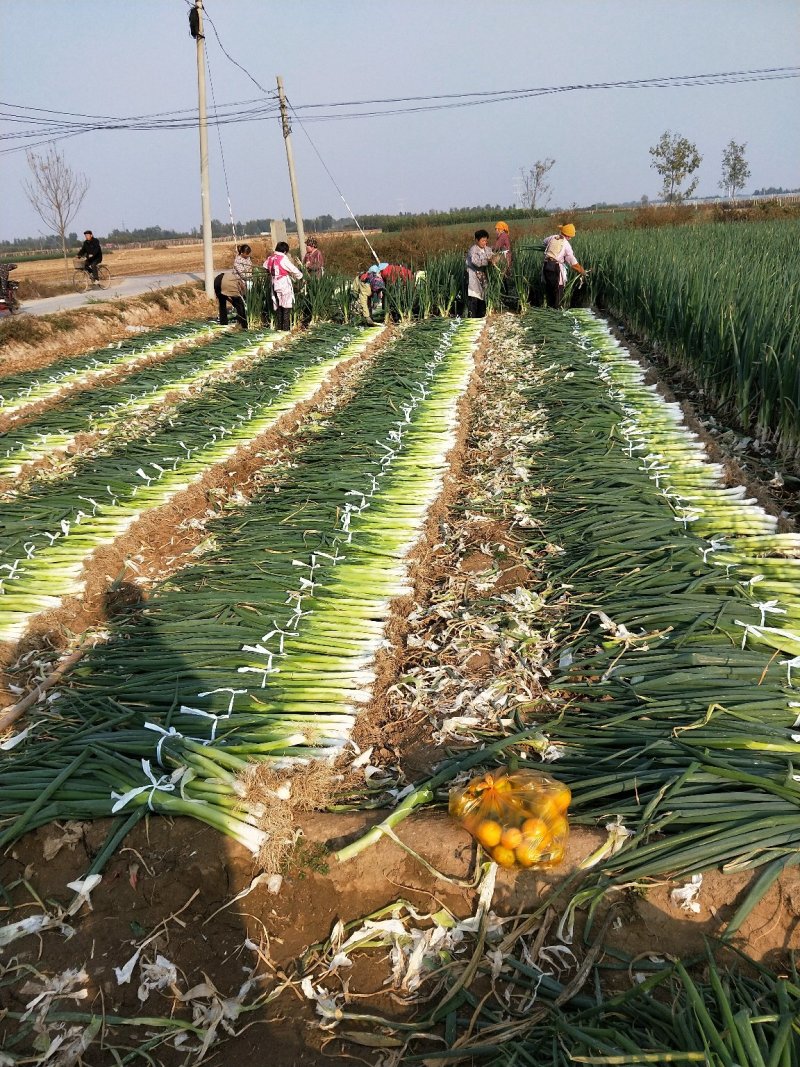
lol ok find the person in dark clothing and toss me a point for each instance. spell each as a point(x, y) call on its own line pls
point(228, 289)
point(7, 287)
point(91, 251)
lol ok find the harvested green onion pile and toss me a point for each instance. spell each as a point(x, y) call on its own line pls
point(110, 409)
point(18, 391)
point(680, 715)
point(47, 534)
point(266, 648)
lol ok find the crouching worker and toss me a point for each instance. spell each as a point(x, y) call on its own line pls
point(281, 271)
point(228, 288)
point(368, 288)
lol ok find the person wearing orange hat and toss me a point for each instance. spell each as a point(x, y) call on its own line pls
point(502, 246)
point(557, 254)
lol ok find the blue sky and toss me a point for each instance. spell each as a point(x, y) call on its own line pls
point(133, 57)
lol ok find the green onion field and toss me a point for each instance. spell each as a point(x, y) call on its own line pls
point(265, 597)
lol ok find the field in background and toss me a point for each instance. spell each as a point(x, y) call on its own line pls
point(349, 253)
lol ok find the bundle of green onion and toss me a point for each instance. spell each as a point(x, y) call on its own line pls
point(265, 649)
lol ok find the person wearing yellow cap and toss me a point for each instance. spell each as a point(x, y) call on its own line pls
point(502, 246)
point(557, 255)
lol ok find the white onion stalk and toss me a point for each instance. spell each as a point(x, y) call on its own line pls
point(55, 559)
point(66, 378)
point(45, 444)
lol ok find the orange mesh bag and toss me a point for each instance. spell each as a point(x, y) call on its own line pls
point(520, 818)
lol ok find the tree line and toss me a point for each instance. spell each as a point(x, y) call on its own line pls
point(56, 193)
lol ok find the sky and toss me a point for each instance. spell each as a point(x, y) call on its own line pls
point(122, 58)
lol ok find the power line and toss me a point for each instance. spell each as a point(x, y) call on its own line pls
point(261, 108)
point(665, 81)
point(335, 183)
point(461, 100)
point(230, 57)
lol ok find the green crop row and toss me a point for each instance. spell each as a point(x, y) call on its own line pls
point(723, 301)
point(18, 391)
point(266, 647)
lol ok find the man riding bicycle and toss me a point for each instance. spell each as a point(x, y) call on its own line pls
point(91, 251)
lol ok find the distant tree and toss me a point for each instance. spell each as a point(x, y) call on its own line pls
point(675, 158)
point(773, 190)
point(55, 191)
point(535, 190)
point(645, 200)
point(735, 170)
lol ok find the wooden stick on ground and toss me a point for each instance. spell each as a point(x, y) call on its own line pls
point(16, 711)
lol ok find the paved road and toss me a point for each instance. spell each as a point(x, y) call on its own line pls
point(119, 288)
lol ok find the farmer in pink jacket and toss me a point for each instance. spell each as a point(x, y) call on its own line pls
point(281, 271)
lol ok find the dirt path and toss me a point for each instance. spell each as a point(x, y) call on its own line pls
point(119, 289)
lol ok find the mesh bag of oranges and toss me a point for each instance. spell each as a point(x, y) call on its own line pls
point(520, 819)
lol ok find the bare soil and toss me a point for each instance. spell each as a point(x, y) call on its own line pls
point(182, 868)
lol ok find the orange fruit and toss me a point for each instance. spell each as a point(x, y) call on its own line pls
point(489, 832)
point(535, 831)
point(528, 853)
point(547, 808)
point(559, 828)
point(505, 857)
point(563, 798)
point(511, 837)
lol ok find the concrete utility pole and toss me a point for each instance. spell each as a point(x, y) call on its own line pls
point(287, 137)
point(205, 195)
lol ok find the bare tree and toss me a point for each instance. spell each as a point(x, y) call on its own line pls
point(535, 190)
point(735, 170)
point(675, 158)
point(55, 191)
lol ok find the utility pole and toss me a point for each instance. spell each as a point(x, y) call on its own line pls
point(205, 195)
point(287, 137)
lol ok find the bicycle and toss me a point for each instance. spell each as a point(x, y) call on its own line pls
point(82, 279)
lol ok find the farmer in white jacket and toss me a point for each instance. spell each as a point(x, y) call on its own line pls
point(557, 254)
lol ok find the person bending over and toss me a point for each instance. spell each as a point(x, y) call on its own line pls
point(557, 254)
point(228, 289)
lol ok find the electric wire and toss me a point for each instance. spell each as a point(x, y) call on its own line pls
point(230, 57)
point(335, 183)
point(260, 109)
point(221, 150)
